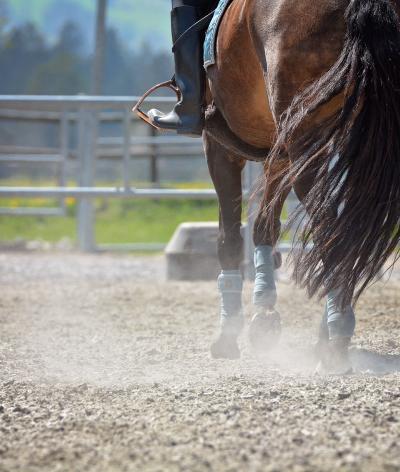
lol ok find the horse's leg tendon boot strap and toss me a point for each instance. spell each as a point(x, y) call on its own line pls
point(230, 285)
point(264, 285)
point(341, 322)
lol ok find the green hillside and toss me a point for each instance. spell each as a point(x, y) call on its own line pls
point(135, 20)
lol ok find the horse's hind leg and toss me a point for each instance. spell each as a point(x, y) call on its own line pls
point(225, 171)
point(334, 337)
point(265, 326)
point(338, 323)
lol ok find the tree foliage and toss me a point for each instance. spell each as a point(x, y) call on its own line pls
point(30, 64)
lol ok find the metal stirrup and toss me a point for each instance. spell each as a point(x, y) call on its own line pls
point(198, 26)
point(144, 116)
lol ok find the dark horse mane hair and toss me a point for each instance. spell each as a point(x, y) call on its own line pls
point(353, 158)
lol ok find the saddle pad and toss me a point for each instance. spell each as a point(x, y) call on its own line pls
point(212, 32)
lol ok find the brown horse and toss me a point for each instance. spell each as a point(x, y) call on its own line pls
point(313, 89)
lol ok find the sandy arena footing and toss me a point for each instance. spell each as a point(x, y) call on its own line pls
point(105, 366)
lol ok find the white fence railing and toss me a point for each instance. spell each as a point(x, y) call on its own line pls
point(87, 111)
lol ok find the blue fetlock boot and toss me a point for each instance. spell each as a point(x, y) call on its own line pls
point(230, 285)
point(265, 326)
point(336, 330)
point(264, 284)
point(341, 323)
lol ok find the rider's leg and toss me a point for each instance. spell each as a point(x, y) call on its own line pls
point(187, 117)
point(204, 6)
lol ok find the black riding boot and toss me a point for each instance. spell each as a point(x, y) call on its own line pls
point(187, 117)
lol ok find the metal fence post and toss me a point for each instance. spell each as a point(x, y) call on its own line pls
point(154, 177)
point(251, 177)
point(64, 143)
point(126, 149)
point(86, 149)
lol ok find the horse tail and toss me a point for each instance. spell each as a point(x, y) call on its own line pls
point(353, 207)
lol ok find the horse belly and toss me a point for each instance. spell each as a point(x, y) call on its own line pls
point(237, 82)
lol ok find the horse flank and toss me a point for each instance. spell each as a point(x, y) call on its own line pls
point(353, 205)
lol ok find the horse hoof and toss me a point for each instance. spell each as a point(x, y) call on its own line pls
point(334, 357)
point(225, 347)
point(265, 331)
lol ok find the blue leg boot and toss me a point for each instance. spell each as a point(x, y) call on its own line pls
point(264, 285)
point(265, 326)
point(341, 323)
point(230, 285)
point(336, 330)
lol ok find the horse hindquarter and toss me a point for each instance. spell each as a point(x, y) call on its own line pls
point(236, 80)
point(348, 152)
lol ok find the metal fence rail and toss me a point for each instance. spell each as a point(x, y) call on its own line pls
point(87, 111)
point(109, 192)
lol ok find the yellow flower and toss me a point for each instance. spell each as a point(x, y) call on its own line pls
point(70, 201)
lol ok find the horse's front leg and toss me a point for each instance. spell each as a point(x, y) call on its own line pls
point(225, 171)
point(265, 326)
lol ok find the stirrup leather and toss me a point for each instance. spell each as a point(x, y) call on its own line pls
point(143, 115)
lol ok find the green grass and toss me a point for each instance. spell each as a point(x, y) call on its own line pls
point(149, 221)
point(117, 221)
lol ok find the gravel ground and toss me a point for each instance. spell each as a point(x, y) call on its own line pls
point(105, 367)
